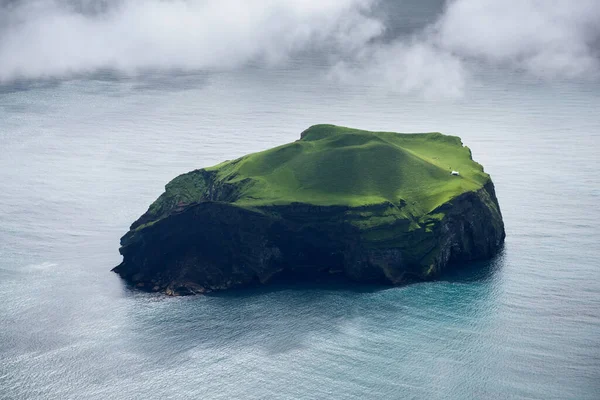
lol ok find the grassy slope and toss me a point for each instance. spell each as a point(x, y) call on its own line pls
point(334, 165)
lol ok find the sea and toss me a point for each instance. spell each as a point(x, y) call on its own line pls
point(82, 157)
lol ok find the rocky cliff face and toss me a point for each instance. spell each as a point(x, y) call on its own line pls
point(214, 245)
point(363, 206)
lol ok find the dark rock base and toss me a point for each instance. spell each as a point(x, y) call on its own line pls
point(215, 246)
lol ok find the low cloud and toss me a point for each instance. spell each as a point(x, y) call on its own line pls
point(406, 66)
point(547, 38)
point(557, 39)
point(59, 38)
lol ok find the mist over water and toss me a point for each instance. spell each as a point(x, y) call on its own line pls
point(86, 146)
point(367, 40)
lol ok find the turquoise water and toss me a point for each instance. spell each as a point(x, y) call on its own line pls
point(81, 159)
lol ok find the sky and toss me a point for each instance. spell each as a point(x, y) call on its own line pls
point(549, 39)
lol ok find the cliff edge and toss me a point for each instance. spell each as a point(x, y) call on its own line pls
point(366, 206)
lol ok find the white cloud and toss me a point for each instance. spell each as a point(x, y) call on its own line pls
point(410, 67)
point(546, 38)
point(57, 38)
point(52, 38)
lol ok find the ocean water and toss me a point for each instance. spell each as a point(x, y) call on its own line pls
point(80, 159)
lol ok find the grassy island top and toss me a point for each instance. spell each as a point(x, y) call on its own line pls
point(333, 165)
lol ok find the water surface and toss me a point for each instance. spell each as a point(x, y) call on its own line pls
point(81, 159)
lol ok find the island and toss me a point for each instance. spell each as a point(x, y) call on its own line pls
point(339, 202)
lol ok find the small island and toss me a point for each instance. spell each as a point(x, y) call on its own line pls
point(363, 206)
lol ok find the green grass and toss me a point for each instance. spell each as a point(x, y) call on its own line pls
point(332, 165)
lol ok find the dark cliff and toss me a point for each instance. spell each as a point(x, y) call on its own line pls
point(204, 234)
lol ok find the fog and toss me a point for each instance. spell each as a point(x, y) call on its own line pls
point(54, 38)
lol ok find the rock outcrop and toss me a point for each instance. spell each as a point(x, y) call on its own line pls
point(364, 206)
